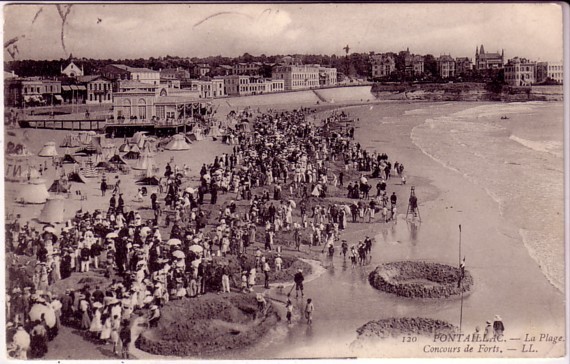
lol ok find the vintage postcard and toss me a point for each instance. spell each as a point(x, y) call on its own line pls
point(285, 181)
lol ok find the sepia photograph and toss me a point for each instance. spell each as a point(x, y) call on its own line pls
point(279, 181)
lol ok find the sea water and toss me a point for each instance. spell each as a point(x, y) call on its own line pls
point(519, 163)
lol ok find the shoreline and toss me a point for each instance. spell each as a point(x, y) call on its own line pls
point(444, 187)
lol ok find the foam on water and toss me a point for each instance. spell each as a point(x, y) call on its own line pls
point(552, 147)
point(525, 177)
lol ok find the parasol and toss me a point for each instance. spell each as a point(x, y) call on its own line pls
point(179, 254)
point(174, 242)
point(112, 235)
point(293, 204)
point(190, 190)
point(196, 248)
point(49, 229)
point(38, 310)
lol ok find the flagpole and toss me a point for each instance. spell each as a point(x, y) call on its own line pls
point(459, 244)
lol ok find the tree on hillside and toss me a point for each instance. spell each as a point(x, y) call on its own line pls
point(430, 65)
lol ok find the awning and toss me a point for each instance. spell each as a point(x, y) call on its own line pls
point(81, 87)
point(73, 87)
point(65, 88)
point(58, 97)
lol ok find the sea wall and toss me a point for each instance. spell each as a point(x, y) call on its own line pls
point(465, 92)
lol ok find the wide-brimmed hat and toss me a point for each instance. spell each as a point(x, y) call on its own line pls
point(498, 318)
point(488, 322)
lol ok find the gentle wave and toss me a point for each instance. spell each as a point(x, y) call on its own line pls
point(487, 154)
point(552, 147)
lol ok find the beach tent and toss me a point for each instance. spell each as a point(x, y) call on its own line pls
point(70, 141)
point(68, 159)
point(76, 177)
point(139, 139)
point(177, 143)
point(132, 155)
point(89, 170)
point(135, 148)
point(145, 161)
point(17, 150)
point(57, 187)
point(104, 165)
point(33, 192)
point(48, 150)
point(52, 211)
point(148, 181)
point(85, 137)
point(117, 159)
point(125, 148)
point(17, 169)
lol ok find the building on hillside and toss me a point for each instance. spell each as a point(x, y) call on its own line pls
point(485, 61)
point(223, 70)
point(463, 65)
point(34, 91)
point(550, 70)
point(241, 85)
point(201, 70)
point(289, 60)
point(413, 63)
point(99, 90)
point(446, 66)
point(297, 77)
point(520, 72)
point(10, 75)
point(119, 72)
point(208, 87)
point(72, 70)
point(174, 74)
point(382, 65)
point(327, 76)
point(11, 89)
point(277, 85)
point(249, 68)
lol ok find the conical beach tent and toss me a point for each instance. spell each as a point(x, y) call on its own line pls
point(52, 212)
point(146, 161)
point(70, 141)
point(89, 170)
point(177, 143)
point(76, 177)
point(116, 159)
point(48, 150)
point(33, 192)
point(132, 155)
point(68, 159)
point(57, 187)
point(125, 148)
point(17, 169)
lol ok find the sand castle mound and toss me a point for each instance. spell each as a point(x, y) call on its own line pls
point(207, 325)
point(419, 279)
point(396, 327)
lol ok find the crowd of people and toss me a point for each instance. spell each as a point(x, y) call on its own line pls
point(276, 177)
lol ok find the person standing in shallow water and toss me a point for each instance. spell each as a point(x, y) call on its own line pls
point(309, 309)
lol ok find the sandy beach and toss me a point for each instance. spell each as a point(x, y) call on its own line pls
point(525, 289)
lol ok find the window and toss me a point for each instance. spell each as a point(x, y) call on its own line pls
point(127, 108)
point(142, 109)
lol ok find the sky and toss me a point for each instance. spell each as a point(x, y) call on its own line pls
point(533, 31)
